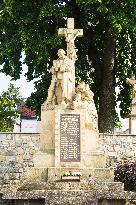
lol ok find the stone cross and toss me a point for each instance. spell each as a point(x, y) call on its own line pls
point(133, 83)
point(70, 35)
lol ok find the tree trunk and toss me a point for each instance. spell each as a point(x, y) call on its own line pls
point(106, 113)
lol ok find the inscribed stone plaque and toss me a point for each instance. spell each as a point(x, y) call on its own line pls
point(69, 138)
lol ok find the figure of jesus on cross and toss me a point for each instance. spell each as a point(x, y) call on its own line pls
point(70, 35)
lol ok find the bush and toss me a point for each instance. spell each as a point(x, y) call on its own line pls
point(126, 172)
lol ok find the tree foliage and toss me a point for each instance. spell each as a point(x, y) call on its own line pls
point(8, 108)
point(107, 53)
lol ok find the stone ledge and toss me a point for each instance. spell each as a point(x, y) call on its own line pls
point(64, 186)
point(35, 194)
point(98, 174)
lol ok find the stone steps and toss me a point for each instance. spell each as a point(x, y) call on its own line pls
point(105, 186)
point(53, 174)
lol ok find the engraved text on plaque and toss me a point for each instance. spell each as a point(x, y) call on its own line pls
point(69, 138)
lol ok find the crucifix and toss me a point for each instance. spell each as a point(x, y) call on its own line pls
point(70, 34)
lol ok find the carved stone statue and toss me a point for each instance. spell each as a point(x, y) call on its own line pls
point(62, 85)
point(84, 90)
point(134, 91)
point(62, 71)
point(50, 101)
point(133, 83)
point(84, 99)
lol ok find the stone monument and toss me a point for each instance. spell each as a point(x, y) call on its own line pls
point(69, 135)
point(132, 115)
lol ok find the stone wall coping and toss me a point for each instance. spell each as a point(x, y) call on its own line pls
point(21, 133)
point(35, 194)
point(107, 134)
point(100, 134)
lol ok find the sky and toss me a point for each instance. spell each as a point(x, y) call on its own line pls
point(25, 87)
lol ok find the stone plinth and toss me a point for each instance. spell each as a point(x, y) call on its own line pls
point(133, 108)
point(132, 118)
point(47, 131)
point(133, 125)
point(47, 136)
point(69, 139)
point(98, 174)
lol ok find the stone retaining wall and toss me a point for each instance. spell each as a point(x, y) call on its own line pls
point(17, 150)
point(16, 154)
point(118, 147)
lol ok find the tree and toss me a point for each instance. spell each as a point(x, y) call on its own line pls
point(8, 108)
point(107, 50)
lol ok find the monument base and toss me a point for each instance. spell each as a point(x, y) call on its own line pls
point(69, 138)
point(54, 174)
point(65, 193)
point(93, 159)
point(97, 174)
